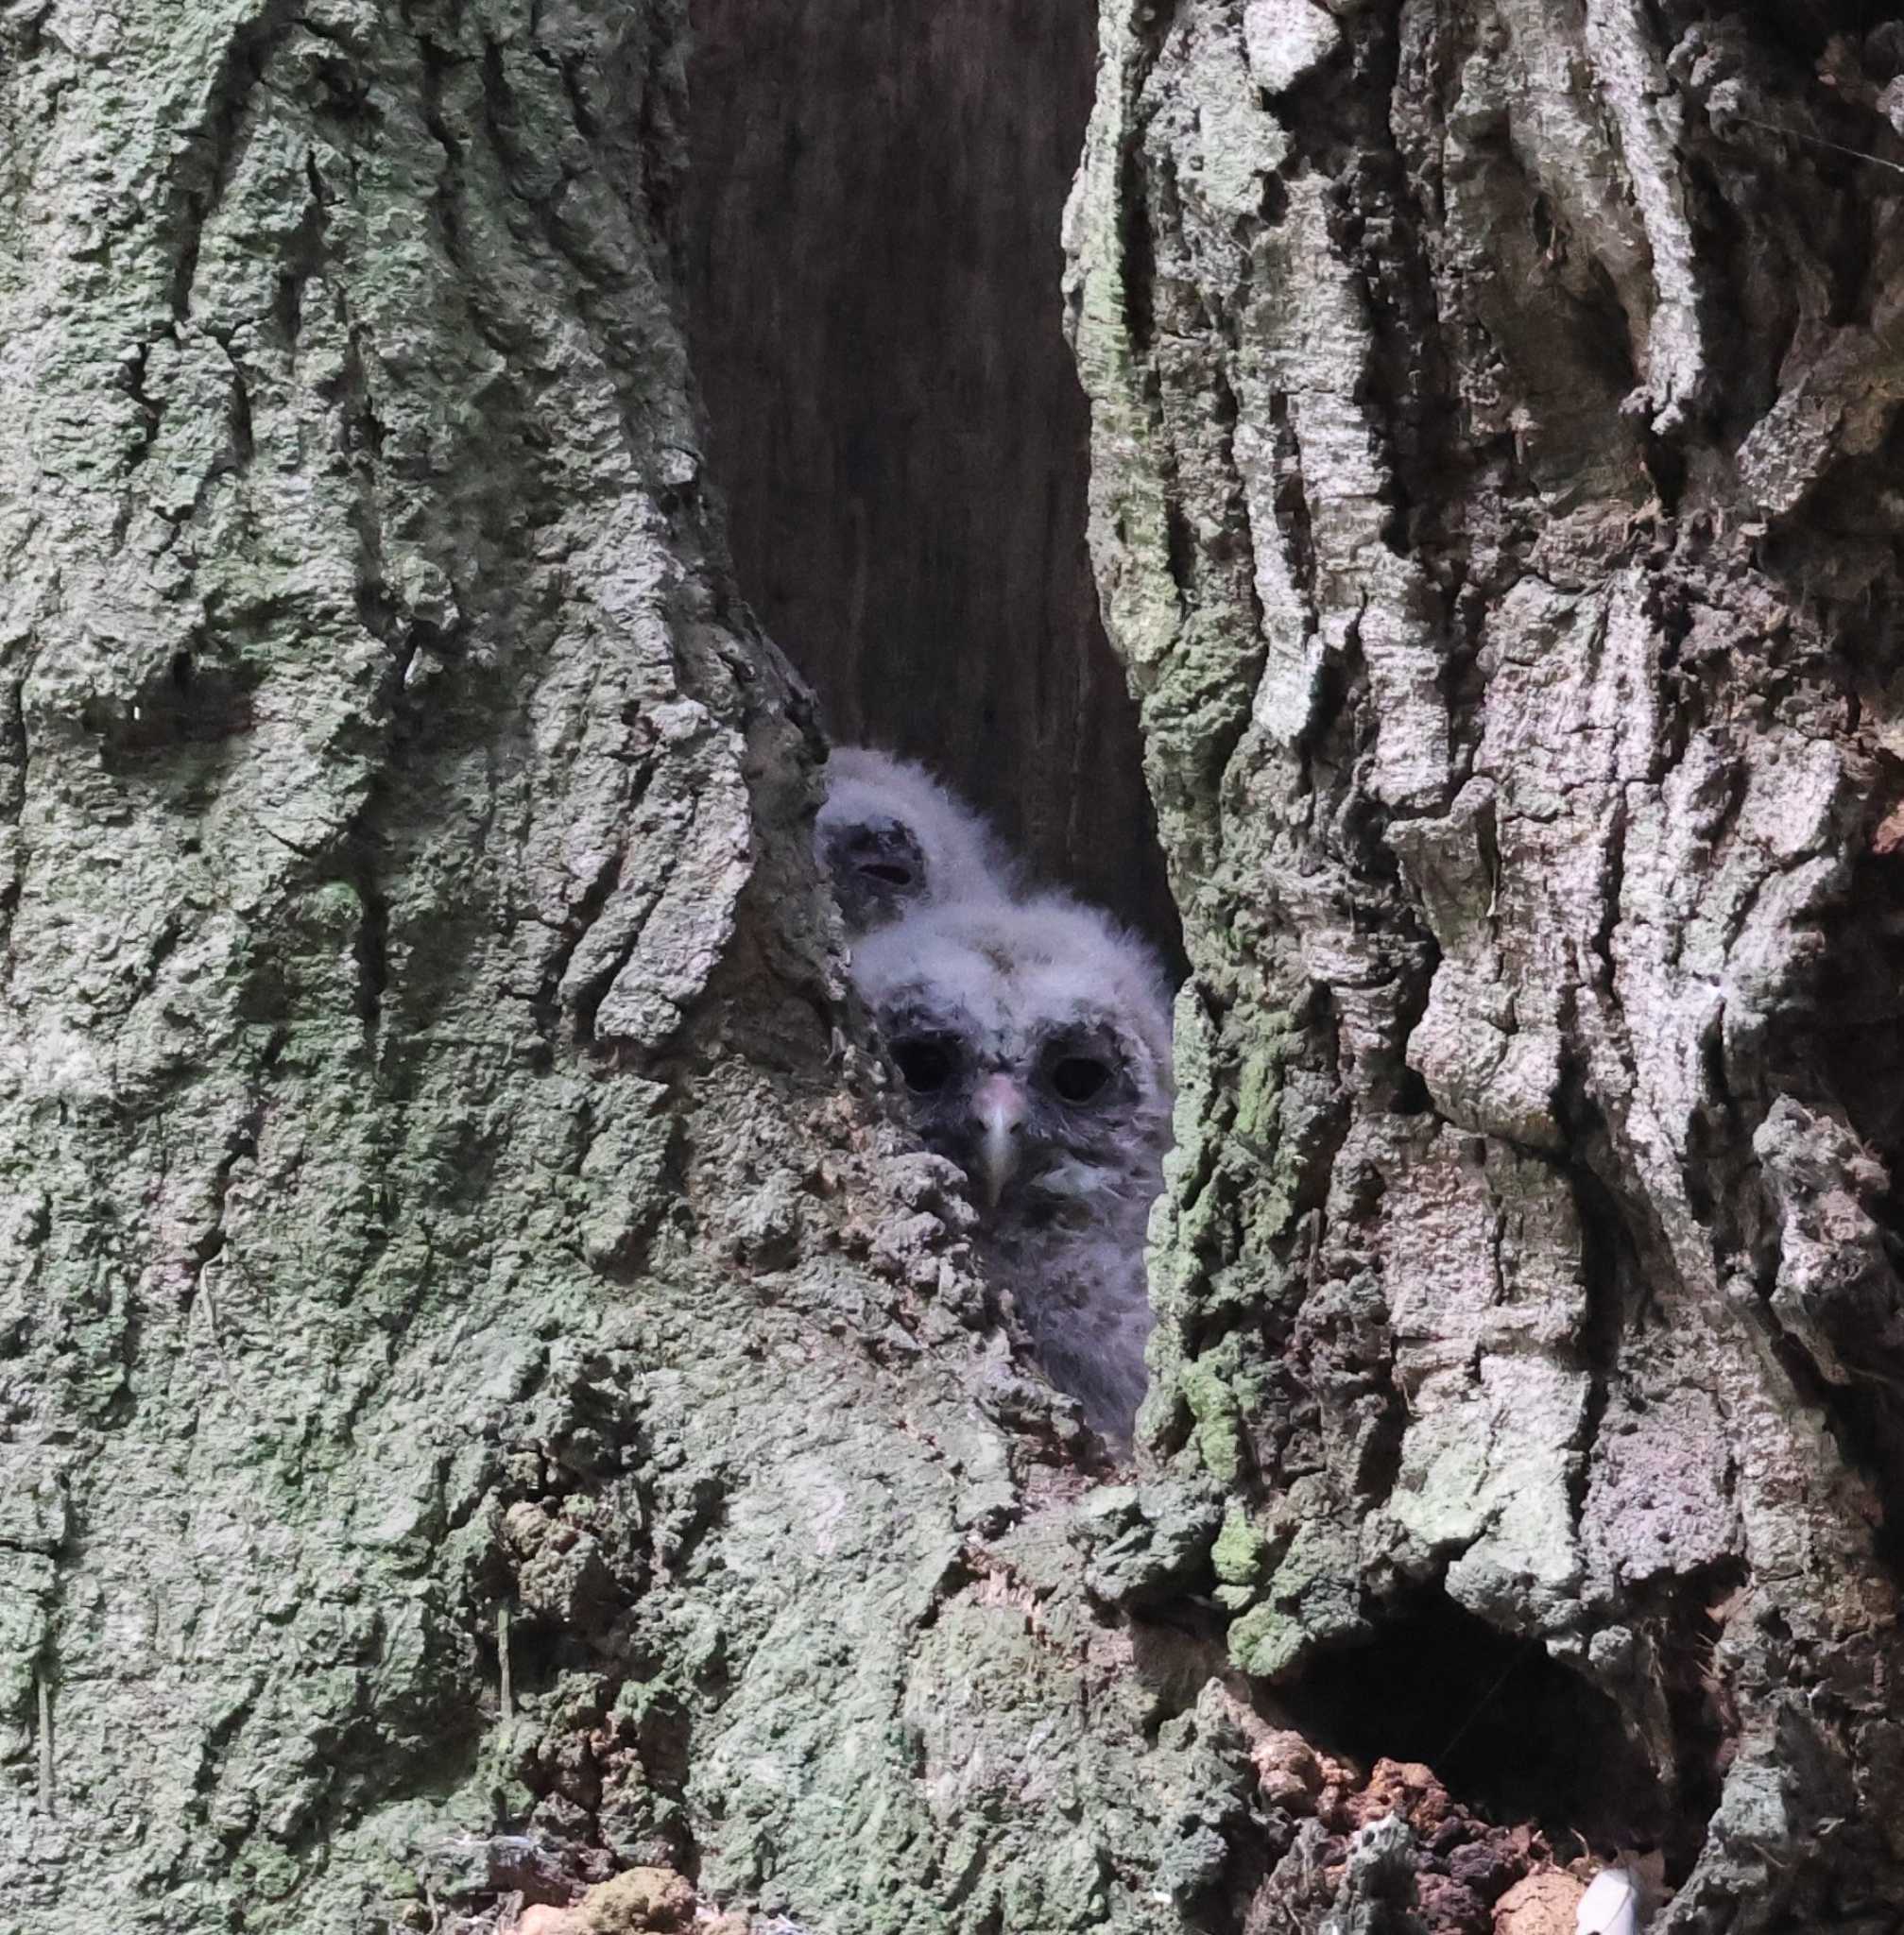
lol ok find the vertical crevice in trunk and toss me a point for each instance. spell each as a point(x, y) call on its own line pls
point(873, 265)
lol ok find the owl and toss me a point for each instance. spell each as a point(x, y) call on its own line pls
point(1033, 1042)
point(892, 838)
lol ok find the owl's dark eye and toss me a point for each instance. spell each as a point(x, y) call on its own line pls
point(926, 1063)
point(1079, 1077)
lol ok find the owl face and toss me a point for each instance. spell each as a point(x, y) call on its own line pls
point(1034, 1047)
point(892, 839)
point(877, 866)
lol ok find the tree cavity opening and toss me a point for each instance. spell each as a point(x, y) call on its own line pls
point(896, 426)
point(1508, 1730)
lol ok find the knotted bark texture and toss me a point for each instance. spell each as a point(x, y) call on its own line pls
point(1495, 426)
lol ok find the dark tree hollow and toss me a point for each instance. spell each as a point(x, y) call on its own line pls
point(897, 427)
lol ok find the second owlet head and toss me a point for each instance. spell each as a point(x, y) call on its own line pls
point(893, 840)
point(1034, 1043)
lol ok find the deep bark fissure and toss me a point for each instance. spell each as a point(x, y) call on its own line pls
point(870, 240)
point(200, 181)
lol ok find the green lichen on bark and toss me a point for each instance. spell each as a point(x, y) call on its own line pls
point(483, 1391)
point(1416, 479)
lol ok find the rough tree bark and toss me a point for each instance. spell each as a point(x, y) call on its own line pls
point(1495, 500)
point(486, 1399)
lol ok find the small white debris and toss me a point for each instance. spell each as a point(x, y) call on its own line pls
point(1610, 1905)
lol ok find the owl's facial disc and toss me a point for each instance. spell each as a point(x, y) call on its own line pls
point(878, 868)
point(973, 1117)
point(1040, 1119)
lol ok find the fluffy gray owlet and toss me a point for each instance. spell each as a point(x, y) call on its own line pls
point(893, 839)
point(1034, 1042)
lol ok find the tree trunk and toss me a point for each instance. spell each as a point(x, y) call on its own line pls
point(1494, 502)
point(487, 1397)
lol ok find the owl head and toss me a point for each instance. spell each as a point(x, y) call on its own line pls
point(892, 839)
point(1032, 1040)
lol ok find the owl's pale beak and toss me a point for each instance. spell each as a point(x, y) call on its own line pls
point(998, 1107)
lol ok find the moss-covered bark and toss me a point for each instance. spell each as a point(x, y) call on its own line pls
point(482, 1399)
point(485, 1400)
point(1492, 432)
